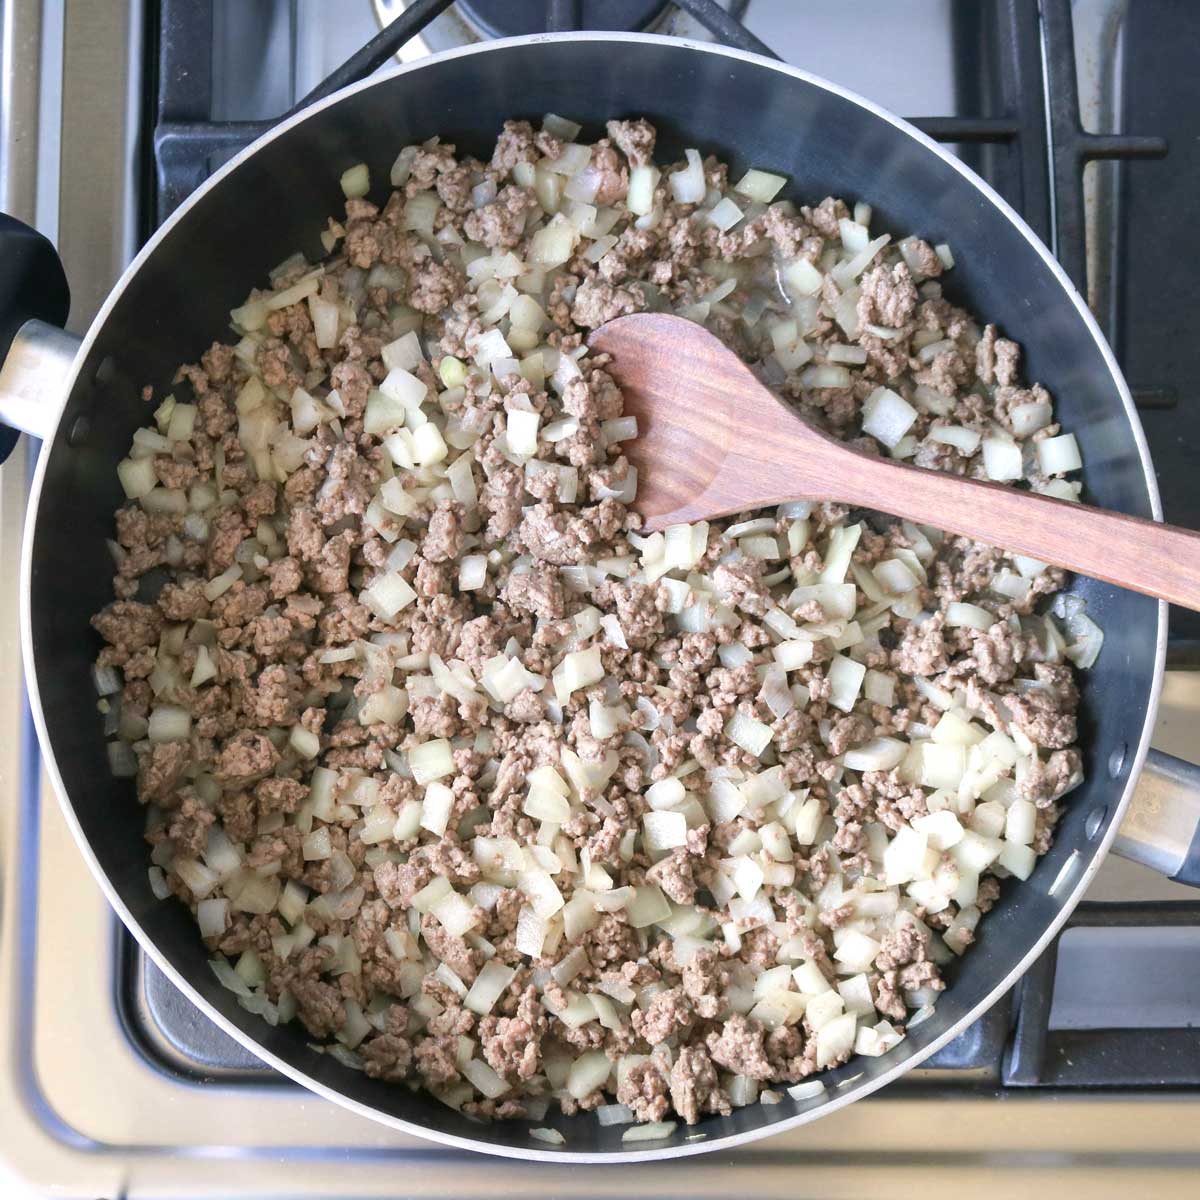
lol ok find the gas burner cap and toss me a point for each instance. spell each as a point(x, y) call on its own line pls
point(516, 18)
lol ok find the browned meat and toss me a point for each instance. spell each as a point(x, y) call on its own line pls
point(430, 751)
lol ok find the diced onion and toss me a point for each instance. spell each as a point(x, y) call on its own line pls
point(431, 760)
point(959, 613)
point(688, 185)
point(760, 186)
point(456, 914)
point(1001, 459)
point(845, 678)
point(887, 416)
point(522, 432)
point(663, 831)
point(835, 1039)
point(1058, 455)
point(490, 984)
point(485, 1079)
point(438, 802)
point(228, 977)
point(169, 723)
point(725, 214)
point(388, 594)
point(879, 754)
point(356, 181)
point(642, 182)
point(750, 734)
point(810, 1089)
point(650, 1131)
point(580, 669)
point(965, 440)
point(1027, 419)
point(472, 572)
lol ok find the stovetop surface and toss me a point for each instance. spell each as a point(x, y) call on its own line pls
point(111, 1083)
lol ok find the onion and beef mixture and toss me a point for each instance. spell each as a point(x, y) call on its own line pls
point(497, 796)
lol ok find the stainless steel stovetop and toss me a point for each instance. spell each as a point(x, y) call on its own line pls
point(97, 1100)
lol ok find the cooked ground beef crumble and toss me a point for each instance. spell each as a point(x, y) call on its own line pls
point(494, 794)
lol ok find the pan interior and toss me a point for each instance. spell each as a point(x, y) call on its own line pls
point(276, 200)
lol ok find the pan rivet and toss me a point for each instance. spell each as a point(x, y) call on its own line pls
point(78, 434)
point(1095, 821)
point(1116, 761)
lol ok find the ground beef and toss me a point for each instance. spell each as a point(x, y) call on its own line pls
point(430, 758)
point(246, 756)
point(501, 497)
point(159, 770)
point(922, 649)
point(280, 795)
point(703, 982)
point(512, 1045)
point(847, 732)
point(888, 296)
point(645, 1090)
point(514, 145)
point(740, 583)
point(443, 541)
point(635, 139)
point(1046, 715)
point(128, 627)
point(674, 876)
point(189, 826)
point(386, 1056)
point(435, 287)
point(668, 1012)
point(695, 1089)
point(451, 950)
point(539, 591)
point(319, 1005)
point(613, 178)
point(398, 883)
point(499, 225)
point(738, 1047)
point(597, 302)
point(928, 265)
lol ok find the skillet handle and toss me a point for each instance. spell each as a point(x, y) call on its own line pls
point(34, 298)
point(1162, 827)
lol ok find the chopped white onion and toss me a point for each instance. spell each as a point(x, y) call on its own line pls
point(887, 416)
point(1058, 455)
point(356, 181)
point(725, 214)
point(651, 1131)
point(1001, 459)
point(750, 734)
point(760, 186)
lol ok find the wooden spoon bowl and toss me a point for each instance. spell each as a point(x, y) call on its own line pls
point(713, 440)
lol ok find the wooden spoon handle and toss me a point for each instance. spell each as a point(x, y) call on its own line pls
point(1145, 556)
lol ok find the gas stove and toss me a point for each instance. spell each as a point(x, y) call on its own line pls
point(1084, 1080)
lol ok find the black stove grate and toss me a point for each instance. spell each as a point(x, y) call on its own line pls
point(1016, 75)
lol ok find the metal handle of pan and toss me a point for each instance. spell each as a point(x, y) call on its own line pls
point(1162, 827)
point(35, 353)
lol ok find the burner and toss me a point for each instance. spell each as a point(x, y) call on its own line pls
point(515, 18)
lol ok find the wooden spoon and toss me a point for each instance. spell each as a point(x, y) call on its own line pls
point(712, 440)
